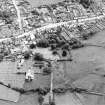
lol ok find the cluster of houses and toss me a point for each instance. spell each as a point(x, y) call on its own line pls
point(44, 15)
point(8, 16)
point(56, 20)
point(61, 12)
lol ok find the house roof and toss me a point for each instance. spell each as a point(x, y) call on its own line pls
point(36, 3)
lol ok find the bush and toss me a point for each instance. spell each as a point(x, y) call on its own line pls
point(92, 33)
point(40, 99)
point(52, 41)
point(53, 6)
point(6, 53)
point(80, 28)
point(38, 57)
point(78, 45)
point(1, 57)
point(61, 4)
point(59, 90)
point(85, 36)
point(72, 41)
point(1, 50)
point(21, 90)
point(6, 15)
point(41, 91)
point(43, 44)
point(60, 44)
point(26, 55)
point(47, 70)
point(32, 46)
point(34, 12)
point(52, 103)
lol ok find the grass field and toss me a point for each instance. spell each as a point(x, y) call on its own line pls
point(85, 61)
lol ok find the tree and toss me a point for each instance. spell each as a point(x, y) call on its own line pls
point(40, 99)
point(47, 70)
point(34, 12)
point(61, 3)
point(64, 53)
point(53, 6)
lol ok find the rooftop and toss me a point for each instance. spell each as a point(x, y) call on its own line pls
point(36, 3)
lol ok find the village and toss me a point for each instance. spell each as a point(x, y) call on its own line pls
point(40, 50)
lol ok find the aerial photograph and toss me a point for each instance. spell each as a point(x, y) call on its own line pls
point(52, 52)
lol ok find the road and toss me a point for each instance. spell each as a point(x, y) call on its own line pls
point(18, 13)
